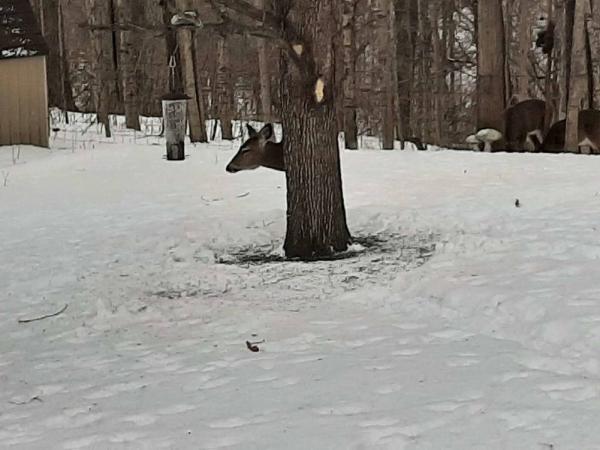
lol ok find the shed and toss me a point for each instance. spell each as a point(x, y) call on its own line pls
point(23, 84)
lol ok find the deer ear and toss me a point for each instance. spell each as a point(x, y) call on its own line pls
point(267, 132)
point(251, 131)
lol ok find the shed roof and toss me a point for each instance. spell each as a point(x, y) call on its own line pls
point(20, 35)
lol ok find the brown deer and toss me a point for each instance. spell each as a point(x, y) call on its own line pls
point(523, 128)
point(524, 125)
point(588, 131)
point(259, 150)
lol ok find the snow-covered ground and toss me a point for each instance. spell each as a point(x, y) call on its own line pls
point(476, 325)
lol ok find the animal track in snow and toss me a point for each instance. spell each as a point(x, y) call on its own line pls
point(383, 422)
point(306, 359)
point(177, 409)
point(221, 442)
point(465, 362)
point(126, 437)
point(509, 376)
point(217, 382)
point(362, 342)
point(74, 421)
point(570, 391)
point(407, 352)
point(233, 422)
point(266, 378)
point(452, 335)
point(342, 410)
point(389, 389)
point(445, 406)
point(85, 442)
point(141, 420)
point(285, 382)
point(524, 418)
point(115, 389)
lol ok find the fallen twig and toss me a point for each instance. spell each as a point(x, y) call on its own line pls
point(47, 316)
point(245, 194)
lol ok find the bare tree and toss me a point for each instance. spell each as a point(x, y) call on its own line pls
point(266, 101)
point(578, 74)
point(306, 31)
point(191, 84)
point(224, 89)
point(349, 77)
point(128, 61)
point(491, 89)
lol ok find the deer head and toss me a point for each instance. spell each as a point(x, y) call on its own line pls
point(258, 150)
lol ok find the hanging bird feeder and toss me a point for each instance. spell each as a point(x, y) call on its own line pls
point(174, 104)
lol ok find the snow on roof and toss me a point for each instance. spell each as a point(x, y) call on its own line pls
point(20, 35)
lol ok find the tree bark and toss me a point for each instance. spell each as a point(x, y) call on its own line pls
point(128, 61)
point(105, 89)
point(522, 90)
point(266, 102)
point(349, 81)
point(224, 90)
point(594, 40)
point(491, 87)
point(391, 79)
point(405, 64)
point(68, 103)
point(439, 58)
point(316, 217)
point(578, 80)
point(191, 82)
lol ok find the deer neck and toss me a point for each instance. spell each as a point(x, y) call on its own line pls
point(273, 158)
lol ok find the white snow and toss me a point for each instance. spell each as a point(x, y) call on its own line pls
point(477, 327)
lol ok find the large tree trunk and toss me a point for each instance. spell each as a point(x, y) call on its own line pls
point(491, 87)
point(105, 89)
point(224, 90)
point(349, 44)
point(191, 83)
point(316, 218)
point(128, 62)
point(522, 89)
point(439, 59)
point(405, 64)
point(266, 102)
point(391, 79)
point(578, 80)
point(594, 41)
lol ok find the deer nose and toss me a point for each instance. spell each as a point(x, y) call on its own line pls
point(231, 169)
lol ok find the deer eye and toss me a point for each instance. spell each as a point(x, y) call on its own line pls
point(244, 149)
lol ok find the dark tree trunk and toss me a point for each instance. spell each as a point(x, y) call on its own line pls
point(349, 80)
point(105, 89)
point(224, 89)
point(405, 31)
point(128, 57)
point(491, 88)
point(350, 128)
point(316, 216)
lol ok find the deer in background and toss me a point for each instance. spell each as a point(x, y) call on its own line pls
point(523, 128)
point(259, 150)
point(588, 130)
point(524, 125)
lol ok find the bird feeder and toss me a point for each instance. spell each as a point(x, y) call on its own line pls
point(175, 123)
point(175, 103)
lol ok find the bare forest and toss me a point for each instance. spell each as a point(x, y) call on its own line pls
point(405, 69)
